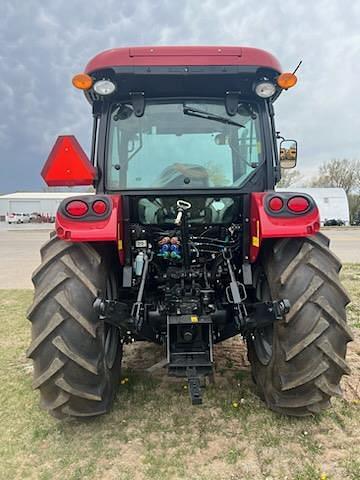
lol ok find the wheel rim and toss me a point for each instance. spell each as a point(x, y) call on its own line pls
point(112, 334)
point(263, 338)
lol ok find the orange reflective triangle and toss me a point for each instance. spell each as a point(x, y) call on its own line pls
point(68, 164)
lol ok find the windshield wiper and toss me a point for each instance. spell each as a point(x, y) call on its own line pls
point(193, 112)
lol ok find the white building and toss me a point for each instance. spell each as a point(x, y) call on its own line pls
point(332, 202)
point(45, 203)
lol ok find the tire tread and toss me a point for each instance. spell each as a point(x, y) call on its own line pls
point(67, 344)
point(310, 344)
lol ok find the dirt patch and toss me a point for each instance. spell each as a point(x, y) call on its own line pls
point(228, 355)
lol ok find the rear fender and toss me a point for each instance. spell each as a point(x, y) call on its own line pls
point(92, 227)
point(265, 224)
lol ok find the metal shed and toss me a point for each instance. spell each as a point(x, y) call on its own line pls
point(44, 203)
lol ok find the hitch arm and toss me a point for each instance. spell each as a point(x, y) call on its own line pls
point(137, 308)
point(112, 311)
point(233, 292)
point(263, 314)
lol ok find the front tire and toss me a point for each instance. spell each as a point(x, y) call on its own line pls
point(306, 359)
point(70, 345)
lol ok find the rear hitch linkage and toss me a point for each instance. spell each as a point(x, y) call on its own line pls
point(119, 314)
point(116, 313)
point(138, 307)
point(265, 313)
point(257, 315)
point(233, 293)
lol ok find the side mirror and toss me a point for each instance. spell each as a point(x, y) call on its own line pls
point(288, 154)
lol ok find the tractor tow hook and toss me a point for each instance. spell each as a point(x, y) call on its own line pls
point(194, 386)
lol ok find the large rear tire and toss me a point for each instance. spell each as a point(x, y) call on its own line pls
point(301, 361)
point(76, 356)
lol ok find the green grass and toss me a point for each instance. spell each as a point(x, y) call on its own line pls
point(307, 472)
point(234, 455)
point(352, 467)
point(351, 278)
point(154, 433)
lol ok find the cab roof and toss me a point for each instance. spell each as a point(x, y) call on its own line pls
point(182, 56)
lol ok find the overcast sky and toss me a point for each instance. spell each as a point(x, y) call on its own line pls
point(43, 43)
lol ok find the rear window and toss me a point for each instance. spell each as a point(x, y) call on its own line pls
point(183, 145)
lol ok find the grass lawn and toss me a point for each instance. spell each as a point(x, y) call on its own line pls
point(154, 433)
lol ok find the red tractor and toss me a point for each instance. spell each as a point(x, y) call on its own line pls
point(185, 242)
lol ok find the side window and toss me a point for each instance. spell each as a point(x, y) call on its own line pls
point(113, 174)
point(250, 147)
point(117, 162)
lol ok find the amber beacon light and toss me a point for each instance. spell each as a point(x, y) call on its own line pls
point(82, 81)
point(287, 80)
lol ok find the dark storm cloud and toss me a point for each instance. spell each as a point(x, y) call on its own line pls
point(42, 44)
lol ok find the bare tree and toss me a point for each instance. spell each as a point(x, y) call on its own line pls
point(288, 178)
point(341, 173)
point(354, 207)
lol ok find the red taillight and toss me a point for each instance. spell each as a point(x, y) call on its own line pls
point(298, 204)
point(77, 208)
point(276, 204)
point(99, 207)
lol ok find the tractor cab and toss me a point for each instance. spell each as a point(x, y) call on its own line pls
point(183, 118)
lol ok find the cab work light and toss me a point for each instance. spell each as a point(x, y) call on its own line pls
point(265, 89)
point(104, 87)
